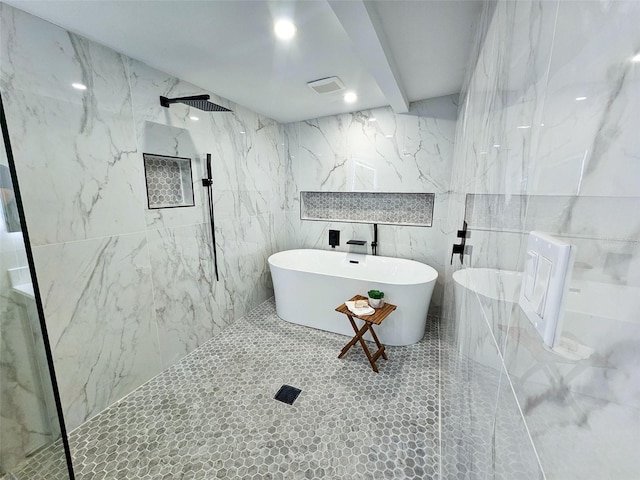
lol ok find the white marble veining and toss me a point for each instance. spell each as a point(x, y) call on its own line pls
point(100, 319)
point(28, 420)
point(248, 175)
point(592, 59)
point(127, 291)
point(394, 153)
point(246, 148)
point(184, 287)
point(25, 423)
point(75, 150)
point(575, 163)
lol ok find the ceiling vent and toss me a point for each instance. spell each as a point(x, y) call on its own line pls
point(326, 85)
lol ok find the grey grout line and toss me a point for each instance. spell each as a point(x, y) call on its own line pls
point(212, 415)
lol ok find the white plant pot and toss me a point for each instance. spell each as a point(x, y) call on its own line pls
point(376, 302)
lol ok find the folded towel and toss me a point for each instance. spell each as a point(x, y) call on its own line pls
point(359, 311)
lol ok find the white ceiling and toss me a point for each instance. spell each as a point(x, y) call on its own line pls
point(390, 52)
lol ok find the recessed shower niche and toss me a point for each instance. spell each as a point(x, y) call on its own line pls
point(168, 180)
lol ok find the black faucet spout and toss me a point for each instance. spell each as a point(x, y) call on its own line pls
point(374, 244)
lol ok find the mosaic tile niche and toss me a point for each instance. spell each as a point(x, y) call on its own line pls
point(168, 181)
point(414, 209)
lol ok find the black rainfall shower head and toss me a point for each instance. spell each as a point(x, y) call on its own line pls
point(201, 102)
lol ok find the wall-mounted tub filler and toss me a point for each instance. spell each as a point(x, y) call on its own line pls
point(461, 249)
point(374, 244)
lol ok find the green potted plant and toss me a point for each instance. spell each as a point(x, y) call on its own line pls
point(376, 298)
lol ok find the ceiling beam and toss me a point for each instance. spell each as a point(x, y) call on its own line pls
point(363, 26)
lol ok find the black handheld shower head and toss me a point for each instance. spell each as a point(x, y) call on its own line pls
point(201, 102)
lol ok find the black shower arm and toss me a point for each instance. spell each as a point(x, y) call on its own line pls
point(165, 102)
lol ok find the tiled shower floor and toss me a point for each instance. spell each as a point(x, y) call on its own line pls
point(213, 414)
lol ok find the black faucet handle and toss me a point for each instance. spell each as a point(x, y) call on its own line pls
point(460, 249)
point(463, 233)
point(457, 250)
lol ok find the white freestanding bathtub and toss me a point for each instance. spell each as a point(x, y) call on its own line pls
point(310, 284)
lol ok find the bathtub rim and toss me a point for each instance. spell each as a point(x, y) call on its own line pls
point(431, 274)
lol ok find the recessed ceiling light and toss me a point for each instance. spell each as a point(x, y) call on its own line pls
point(636, 58)
point(284, 29)
point(579, 99)
point(194, 118)
point(350, 97)
point(524, 126)
point(373, 119)
point(389, 136)
point(483, 153)
point(79, 86)
point(242, 131)
point(496, 145)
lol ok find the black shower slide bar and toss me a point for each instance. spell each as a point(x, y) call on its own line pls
point(208, 184)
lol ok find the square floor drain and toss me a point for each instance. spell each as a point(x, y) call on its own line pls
point(287, 394)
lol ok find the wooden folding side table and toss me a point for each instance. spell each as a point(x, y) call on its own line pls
point(369, 321)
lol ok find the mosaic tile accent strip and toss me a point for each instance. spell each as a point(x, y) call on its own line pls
point(169, 181)
point(414, 209)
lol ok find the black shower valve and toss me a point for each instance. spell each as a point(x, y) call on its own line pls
point(457, 250)
point(461, 249)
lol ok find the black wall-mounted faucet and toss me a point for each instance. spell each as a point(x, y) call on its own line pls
point(460, 249)
point(334, 238)
point(374, 244)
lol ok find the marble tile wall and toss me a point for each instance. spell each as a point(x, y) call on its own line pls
point(27, 413)
point(551, 160)
point(395, 153)
point(128, 291)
